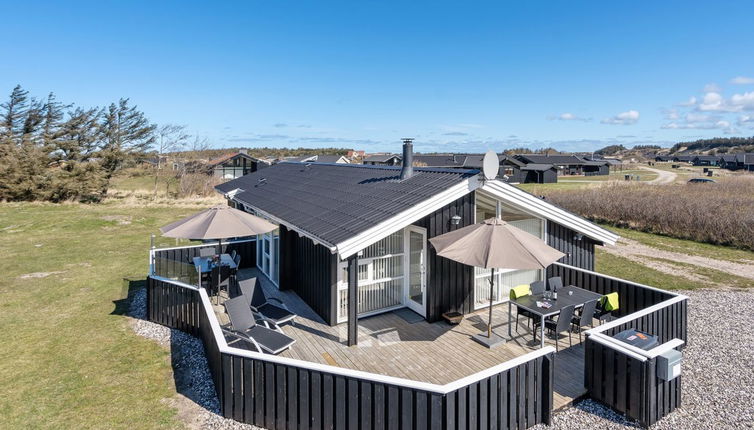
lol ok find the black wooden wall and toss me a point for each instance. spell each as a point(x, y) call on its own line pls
point(311, 271)
point(449, 284)
point(579, 253)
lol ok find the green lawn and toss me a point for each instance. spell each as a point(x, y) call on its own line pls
point(624, 268)
point(68, 358)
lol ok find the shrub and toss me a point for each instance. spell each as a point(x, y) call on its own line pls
point(720, 213)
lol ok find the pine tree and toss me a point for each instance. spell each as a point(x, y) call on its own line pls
point(126, 133)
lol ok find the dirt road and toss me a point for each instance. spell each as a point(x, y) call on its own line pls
point(663, 176)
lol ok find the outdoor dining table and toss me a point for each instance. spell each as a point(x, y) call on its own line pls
point(204, 266)
point(569, 295)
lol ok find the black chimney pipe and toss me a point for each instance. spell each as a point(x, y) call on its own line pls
point(408, 158)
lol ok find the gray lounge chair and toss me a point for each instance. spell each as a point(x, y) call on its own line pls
point(243, 326)
point(259, 303)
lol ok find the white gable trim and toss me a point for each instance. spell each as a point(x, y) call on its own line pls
point(535, 205)
point(355, 244)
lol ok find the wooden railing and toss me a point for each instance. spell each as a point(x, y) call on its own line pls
point(617, 374)
point(177, 263)
point(280, 393)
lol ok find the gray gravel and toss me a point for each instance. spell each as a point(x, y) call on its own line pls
point(718, 382)
point(191, 371)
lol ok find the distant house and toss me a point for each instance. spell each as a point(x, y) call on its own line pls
point(509, 170)
point(684, 158)
point(706, 160)
point(355, 154)
point(567, 164)
point(739, 161)
point(382, 160)
point(339, 159)
point(664, 158)
point(235, 165)
point(539, 173)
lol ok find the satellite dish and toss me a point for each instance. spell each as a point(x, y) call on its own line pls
point(490, 165)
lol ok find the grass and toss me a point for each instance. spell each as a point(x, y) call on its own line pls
point(68, 357)
point(667, 243)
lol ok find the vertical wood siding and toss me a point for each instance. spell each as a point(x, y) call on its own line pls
point(579, 253)
point(450, 285)
point(311, 271)
point(628, 385)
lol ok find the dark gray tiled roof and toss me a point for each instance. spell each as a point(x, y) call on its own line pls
point(335, 202)
point(537, 167)
point(550, 159)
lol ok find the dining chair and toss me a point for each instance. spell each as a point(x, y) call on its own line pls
point(585, 318)
point(560, 325)
point(554, 284)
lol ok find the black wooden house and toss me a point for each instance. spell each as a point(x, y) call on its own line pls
point(353, 239)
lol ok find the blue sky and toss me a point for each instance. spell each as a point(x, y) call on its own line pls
point(457, 76)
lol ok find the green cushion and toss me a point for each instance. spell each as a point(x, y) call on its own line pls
point(610, 302)
point(520, 291)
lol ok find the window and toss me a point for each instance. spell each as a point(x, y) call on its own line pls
point(504, 279)
point(380, 277)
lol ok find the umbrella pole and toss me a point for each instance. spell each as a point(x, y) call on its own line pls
point(489, 320)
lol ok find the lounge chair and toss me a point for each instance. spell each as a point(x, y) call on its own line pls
point(259, 303)
point(243, 326)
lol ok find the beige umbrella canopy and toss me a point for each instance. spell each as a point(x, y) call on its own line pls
point(495, 244)
point(218, 222)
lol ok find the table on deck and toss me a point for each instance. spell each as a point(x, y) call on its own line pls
point(578, 297)
point(204, 266)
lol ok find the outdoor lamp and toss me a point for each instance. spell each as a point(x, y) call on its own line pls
point(455, 219)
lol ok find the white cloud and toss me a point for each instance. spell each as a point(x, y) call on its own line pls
point(671, 114)
point(742, 80)
point(624, 118)
point(746, 119)
point(567, 116)
point(712, 88)
point(713, 101)
point(690, 102)
point(743, 101)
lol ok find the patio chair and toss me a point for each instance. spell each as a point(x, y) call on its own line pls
point(237, 260)
point(206, 252)
point(258, 302)
point(554, 284)
point(560, 325)
point(233, 254)
point(605, 307)
point(585, 318)
point(243, 326)
point(537, 287)
point(517, 292)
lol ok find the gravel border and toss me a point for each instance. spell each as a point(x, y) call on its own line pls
point(718, 381)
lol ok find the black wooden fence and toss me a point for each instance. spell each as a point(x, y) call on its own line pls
point(629, 384)
point(632, 296)
point(279, 393)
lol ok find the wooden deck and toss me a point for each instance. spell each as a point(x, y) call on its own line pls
point(438, 353)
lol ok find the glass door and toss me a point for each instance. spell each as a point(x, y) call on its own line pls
point(415, 284)
point(267, 254)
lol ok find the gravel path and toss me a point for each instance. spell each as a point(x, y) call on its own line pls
point(663, 176)
point(718, 382)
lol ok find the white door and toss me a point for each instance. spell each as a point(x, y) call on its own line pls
point(416, 264)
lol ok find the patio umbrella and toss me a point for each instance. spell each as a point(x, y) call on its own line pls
point(495, 244)
point(218, 222)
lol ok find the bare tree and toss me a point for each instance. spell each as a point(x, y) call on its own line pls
point(170, 138)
